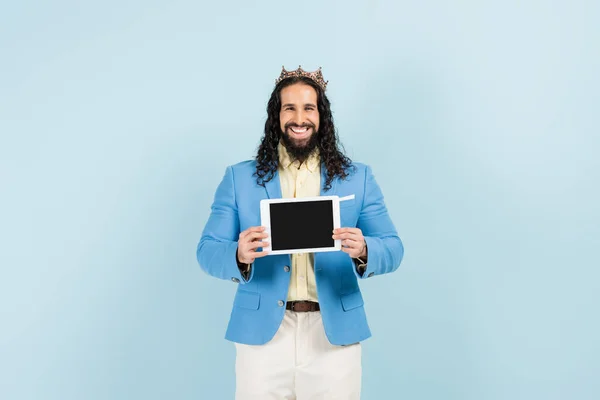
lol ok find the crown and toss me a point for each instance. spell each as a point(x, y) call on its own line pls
point(316, 76)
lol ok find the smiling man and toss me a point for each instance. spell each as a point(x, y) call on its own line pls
point(299, 120)
point(298, 321)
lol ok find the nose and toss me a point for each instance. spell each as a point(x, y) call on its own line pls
point(299, 117)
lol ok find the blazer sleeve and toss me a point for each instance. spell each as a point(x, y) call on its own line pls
point(385, 249)
point(217, 250)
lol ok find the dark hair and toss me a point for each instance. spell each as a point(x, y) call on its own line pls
point(267, 158)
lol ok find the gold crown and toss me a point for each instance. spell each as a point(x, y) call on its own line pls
point(316, 76)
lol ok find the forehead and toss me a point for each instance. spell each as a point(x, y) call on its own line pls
point(298, 93)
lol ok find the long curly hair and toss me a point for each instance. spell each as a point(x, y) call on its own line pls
point(327, 141)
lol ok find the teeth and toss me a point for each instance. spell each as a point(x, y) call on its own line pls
point(299, 130)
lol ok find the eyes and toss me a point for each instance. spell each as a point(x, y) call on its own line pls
point(292, 108)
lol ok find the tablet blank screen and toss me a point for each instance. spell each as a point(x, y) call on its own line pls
point(301, 225)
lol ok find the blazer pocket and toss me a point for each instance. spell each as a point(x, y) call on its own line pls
point(347, 203)
point(352, 301)
point(248, 300)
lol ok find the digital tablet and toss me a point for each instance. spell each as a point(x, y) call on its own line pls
point(301, 225)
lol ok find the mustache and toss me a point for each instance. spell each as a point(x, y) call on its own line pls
point(295, 125)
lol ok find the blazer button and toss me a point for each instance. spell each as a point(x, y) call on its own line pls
point(280, 303)
point(371, 274)
point(236, 280)
point(286, 268)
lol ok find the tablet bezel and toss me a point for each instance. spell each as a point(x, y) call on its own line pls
point(265, 217)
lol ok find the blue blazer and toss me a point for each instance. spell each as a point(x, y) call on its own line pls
point(259, 303)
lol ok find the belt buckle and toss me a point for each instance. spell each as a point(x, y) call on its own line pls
point(294, 304)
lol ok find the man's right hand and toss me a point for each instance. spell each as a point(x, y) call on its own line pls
point(251, 239)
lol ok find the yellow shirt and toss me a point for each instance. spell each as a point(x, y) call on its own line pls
point(300, 181)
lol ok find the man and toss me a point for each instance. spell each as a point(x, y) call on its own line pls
point(297, 321)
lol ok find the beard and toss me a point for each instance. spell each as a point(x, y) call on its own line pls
point(299, 151)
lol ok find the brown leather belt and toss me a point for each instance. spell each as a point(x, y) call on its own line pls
point(302, 306)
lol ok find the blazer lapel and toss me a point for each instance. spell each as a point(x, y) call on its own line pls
point(273, 187)
point(321, 256)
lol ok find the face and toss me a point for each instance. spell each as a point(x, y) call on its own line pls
point(299, 119)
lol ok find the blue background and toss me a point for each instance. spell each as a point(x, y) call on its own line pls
point(480, 120)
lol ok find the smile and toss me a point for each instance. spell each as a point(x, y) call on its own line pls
point(297, 129)
point(300, 133)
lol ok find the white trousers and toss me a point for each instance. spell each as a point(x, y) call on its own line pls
point(299, 363)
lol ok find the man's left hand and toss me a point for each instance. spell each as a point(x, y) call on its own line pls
point(353, 241)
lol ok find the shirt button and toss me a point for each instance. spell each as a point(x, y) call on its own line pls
point(280, 303)
point(236, 280)
point(371, 274)
point(301, 278)
point(286, 268)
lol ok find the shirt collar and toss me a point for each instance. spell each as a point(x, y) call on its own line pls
point(285, 161)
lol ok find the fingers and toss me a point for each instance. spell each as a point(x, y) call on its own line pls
point(255, 235)
point(250, 240)
point(248, 249)
point(347, 230)
point(351, 251)
point(256, 254)
point(253, 255)
point(251, 235)
point(352, 243)
point(260, 254)
point(249, 253)
point(256, 245)
point(353, 248)
point(353, 234)
point(250, 230)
